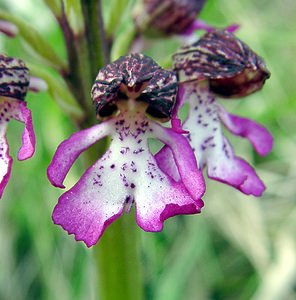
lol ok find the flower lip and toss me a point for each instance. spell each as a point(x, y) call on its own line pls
point(232, 68)
point(135, 76)
point(14, 77)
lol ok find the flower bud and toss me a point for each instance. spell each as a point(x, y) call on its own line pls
point(168, 16)
point(8, 28)
point(232, 68)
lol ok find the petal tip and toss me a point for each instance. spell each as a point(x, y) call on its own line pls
point(177, 126)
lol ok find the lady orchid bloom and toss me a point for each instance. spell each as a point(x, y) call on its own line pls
point(125, 93)
point(14, 82)
point(220, 63)
point(171, 16)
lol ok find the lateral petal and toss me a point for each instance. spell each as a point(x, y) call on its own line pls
point(5, 159)
point(258, 136)
point(184, 158)
point(69, 150)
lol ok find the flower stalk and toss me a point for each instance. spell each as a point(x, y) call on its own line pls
point(118, 261)
point(95, 34)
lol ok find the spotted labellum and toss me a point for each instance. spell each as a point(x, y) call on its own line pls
point(14, 82)
point(219, 64)
point(171, 16)
point(128, 94)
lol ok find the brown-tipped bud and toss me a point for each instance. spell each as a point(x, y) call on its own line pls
point(139, 77)
point(232, 68)
point(14, 77)
point(168, 16)
point(8, 28)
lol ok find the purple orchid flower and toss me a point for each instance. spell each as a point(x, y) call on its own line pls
point(219, 63)
point(14, 82)
point(124, 93)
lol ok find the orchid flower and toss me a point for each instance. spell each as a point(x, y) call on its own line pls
point(219, 63)
point(14, 82)
point(127, 93)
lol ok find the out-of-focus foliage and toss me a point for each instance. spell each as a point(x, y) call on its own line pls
point(238, 248)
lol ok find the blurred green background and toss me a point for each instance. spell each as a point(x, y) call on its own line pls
point(240, 247)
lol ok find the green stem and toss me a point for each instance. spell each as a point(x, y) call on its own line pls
point(78, 77)
point(118, 261)
point(95, 35)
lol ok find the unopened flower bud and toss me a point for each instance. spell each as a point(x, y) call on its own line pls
point(168, 16)
point(232, 68)
point(8, 28)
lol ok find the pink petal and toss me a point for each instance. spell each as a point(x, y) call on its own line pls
point(163, 202)
point(126, 173)
point(258, 136)
point(8, 28)
point(90, 206)
point(70, 149)
point(177, 126)
point(233, 27)
point(28, 139)
point(11, 108)
point(5, 159)
point(14, 109)
point(198, 25)
point(37, 85)
point(234, 171)
point(184, 158)
point(166, 162)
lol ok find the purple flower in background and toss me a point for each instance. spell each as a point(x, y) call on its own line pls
point(171, 16)
point(220, 63)
point(124, 93)
point(14, 82)
point(232, 68)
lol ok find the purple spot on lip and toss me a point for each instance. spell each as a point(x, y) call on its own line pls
point(127, 199)
point(133, 185)
point(112, 166)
